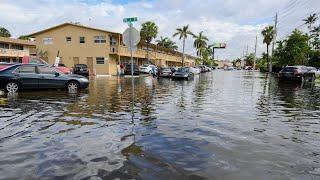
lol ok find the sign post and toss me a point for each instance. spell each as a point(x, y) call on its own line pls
point(218, 46)
point(131, 38)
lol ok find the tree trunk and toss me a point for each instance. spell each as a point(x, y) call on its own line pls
point(268, 57)
point(148, 53)
point(184, 41)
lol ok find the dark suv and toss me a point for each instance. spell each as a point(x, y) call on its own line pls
point(298, 73)
point(81, 69)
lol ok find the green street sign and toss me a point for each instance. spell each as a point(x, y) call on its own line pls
point(130, 20)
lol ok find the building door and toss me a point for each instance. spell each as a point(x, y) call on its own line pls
point(90, 64)
point(75, 60)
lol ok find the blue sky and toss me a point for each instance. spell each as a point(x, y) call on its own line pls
point(235, 22)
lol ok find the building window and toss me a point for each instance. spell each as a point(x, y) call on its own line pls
point(113, 41)
point(82, 39)
point(100, 60)
point(68, 39)
point(100, 39)
point(48, 40)
point(17, 47)
point(4, 45)
point(5, 60)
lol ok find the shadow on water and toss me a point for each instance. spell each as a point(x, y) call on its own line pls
point(223, 124)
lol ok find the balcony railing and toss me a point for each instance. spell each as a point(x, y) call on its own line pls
point(13, 52)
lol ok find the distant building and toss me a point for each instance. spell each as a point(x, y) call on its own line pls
point(99, 49)
point(12, 50)
point(223, 63)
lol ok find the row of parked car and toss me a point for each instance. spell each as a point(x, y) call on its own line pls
point(299, 73)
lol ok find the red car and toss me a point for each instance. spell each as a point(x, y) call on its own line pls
point(36, 60)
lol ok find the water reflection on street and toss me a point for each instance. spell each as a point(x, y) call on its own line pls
point(223, 124)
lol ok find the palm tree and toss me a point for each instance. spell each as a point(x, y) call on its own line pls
point(200, 42)
point(268, 35)
point(149, 31)
point(183, 34)
point(162, 41)
point(4, 32)
point(167, 43)
point(311, 19)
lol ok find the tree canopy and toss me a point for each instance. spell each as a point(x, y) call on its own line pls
point(4, 32)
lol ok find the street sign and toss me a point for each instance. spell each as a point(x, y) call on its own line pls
point(130, 20)
point(220, 45)
point(135, 38)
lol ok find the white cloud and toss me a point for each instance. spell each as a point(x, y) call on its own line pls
point(231, 21)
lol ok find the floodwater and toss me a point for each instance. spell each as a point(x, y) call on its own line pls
point(221, 125)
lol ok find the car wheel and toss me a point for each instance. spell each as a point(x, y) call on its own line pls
point(12, 87)
point(73, 86)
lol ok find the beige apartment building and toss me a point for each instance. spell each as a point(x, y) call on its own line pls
point(101, 50)
point(13, 50)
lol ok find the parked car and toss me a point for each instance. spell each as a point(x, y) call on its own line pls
point(165, 72)
point(207, 69)
point(297, 73)
point(228, 68)
point(147, 68)
point(5, 65)
point(62, 68)
point(81, 69)
point(36, 60)
point(195, 70)
point(127, 70)
point(35, 76)
point(183, 73)
point(315, 70)
point(202, 68)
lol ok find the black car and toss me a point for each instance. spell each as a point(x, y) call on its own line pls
point(32, 76)
point(183, 73)
point(297, 73)
point(127, 70)
point(81, 69)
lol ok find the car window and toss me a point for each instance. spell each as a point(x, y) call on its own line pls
point(46, 70)
point(26, 70)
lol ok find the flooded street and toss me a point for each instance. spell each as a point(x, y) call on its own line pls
point(221, 125)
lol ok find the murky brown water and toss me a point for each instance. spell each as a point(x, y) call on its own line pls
point(221, 125)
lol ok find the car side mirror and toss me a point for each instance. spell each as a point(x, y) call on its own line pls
point(57, 74)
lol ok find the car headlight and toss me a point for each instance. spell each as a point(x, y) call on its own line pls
point(84, 79)
point(186, 75)
point(173, 74)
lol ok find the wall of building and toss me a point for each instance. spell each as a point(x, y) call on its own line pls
point(75, 52)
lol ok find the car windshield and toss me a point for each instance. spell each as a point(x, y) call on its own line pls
point(183, 70)
point(289, 69)
point(166, 70)
point(81, 66)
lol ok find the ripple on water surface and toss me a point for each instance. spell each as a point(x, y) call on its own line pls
point(223, 124)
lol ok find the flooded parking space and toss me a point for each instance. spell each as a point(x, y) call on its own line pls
point(221, 125)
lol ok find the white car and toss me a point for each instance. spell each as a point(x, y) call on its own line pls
point(147, 68)
point(315, 70)
point(195, 70)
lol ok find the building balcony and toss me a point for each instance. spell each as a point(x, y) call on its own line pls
point(13, 53)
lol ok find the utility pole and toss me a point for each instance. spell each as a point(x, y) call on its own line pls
point(274, 41)
point(247, 51)
point(255, 54)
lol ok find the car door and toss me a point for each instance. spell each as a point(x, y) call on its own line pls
point(50, 78)
point(27, 77)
